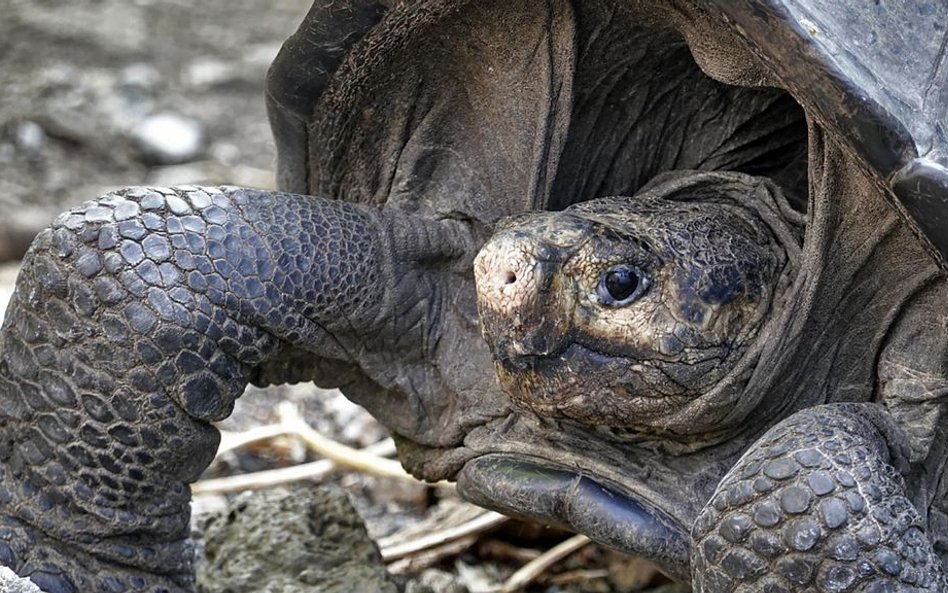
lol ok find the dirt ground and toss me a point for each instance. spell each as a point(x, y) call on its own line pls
point(84, 85)
point(81, 80)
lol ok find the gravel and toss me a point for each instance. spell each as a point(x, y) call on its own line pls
point(169, 139)
point(99, 94)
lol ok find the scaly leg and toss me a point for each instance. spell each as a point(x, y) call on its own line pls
point(138, 320)
point(815, 506)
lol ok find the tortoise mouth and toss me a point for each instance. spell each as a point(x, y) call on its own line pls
point(588, 385)
point(544, 491)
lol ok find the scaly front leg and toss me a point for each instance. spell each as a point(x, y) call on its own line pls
point(815, 506)
point(138, 320)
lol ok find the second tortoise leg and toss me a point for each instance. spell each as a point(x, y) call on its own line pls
point(816, 505)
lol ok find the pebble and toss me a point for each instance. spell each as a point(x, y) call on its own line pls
point(141, 75)
point(169, 138)
point(11, 583)
point(208, 72)
point(435, 581)
point(134, 93)
point(475, 578)
point(30, 136)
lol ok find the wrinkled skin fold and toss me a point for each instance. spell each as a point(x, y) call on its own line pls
point(139, 317)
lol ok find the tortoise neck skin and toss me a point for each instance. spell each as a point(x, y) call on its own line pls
point(867, 318)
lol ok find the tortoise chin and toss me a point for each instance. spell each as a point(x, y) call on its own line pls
point(535, 489)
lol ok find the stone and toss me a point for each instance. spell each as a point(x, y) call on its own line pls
point(30, 136)
point(435, 581)
point(290, 540)
point(168, 139)
point(11, 583)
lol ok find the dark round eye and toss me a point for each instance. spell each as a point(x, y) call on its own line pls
point(621, 285)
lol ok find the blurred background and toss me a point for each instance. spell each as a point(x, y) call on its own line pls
point(97, 94)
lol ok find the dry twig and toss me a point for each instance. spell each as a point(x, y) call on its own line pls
point(419, 561)
point(291, 423)
point(530, 571)
point(342, 455)
point(314, 471)
point(235, 440)
point(485, 521)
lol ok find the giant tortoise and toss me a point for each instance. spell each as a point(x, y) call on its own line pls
point(712, 288)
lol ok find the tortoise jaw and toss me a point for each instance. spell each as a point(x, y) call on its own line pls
point(534, 489)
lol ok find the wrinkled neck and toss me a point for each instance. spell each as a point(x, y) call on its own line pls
point(861, 266)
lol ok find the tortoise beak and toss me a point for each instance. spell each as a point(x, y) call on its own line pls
point(522, 311)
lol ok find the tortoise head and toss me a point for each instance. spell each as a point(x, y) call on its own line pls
point(634, 312)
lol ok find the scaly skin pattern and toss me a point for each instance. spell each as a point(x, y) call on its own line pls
point(815, 506)
point(137, 320)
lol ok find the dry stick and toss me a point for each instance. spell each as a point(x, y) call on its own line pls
point(235, 440)
point(419, 561)
point(531, 570)
point(481, 523)
point(341, 454)
point(314, 471)
point(368, 460)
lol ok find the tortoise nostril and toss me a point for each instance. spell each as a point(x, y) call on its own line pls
point(509, 277)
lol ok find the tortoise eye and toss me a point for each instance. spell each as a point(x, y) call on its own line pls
point(621, 285)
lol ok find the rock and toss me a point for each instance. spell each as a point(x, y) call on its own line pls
point(11, 583)
point(133, 94)
point(435, 581)
point(209, 72)
point(475, 578)
point(30, 136)
point(140, 75)
point(290, 541)
point(169, 138)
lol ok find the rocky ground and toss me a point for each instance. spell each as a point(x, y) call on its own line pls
point(97, 94)
point(105, 93)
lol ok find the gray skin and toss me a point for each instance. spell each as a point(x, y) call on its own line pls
point(139, 317)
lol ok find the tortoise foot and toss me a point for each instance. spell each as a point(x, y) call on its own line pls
point(815, 505)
